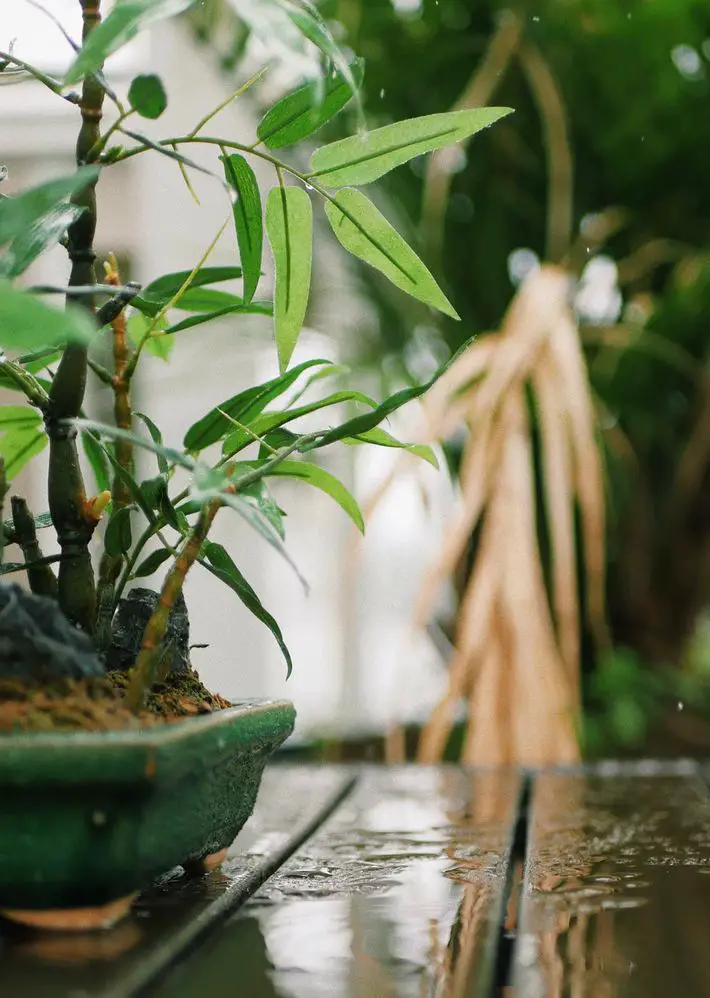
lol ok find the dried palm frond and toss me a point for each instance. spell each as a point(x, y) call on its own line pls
point(516, 661)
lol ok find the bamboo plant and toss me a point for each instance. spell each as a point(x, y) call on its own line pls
point(48, 353)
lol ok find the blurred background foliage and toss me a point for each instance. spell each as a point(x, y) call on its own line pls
point(632, 83)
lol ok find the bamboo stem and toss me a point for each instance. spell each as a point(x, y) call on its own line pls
point(66, 490)
point(110, 566)
point(41, 578)
point(144, 672)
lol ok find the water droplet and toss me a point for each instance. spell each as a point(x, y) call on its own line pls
point(382, 93)
point(681, 705)
point(536, 18)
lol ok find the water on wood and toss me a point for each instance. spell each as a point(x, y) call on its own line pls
point(616, 902)
point(399, 895)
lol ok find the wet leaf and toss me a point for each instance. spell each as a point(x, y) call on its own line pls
point(118, 537)
point(361, 159)
point(248, 220)
point(289, 224)
point(363, 231)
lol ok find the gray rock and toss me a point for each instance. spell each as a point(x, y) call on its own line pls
point(128, 626)
point(37, 641)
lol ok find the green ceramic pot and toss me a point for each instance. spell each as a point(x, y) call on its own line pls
point(89, 818)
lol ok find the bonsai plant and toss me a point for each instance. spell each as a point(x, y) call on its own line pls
point(95, 678)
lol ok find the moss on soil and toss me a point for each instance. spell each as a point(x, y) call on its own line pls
point(96, 704)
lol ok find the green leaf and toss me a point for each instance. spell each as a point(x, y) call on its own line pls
point(255, 308)
point(36, 205)
point(96, 457)
point(305, 110)
point(320, 479)
point(158, 344)
point(266, 504)
point(289, 224)
point(268, 421)
point(147, 96)
point(114, 433)
point(247, 219)
point(42, 522)
point(9, 567)
point(363, 231)
point(312, 26)
point(123, 23)
point(119, 537)
point(221, 565)
point(157, 437)
point(41, 235)
point(382, 438)
point(153, 490)
point(26, 323)
point(131, 485)
point(361, 159)
point(152, 563)
point(206, 300)
point(22, 437)
point(159, 292)
point(242, 407)
point(361, 424)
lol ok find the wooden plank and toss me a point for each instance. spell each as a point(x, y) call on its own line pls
point(177, 911)
point(616, 900)
point(400, 894)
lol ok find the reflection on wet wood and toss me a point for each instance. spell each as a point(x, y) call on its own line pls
point(399, 895)
point(167, 919)
point(616, 901)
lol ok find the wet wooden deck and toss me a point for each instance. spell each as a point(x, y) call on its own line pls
point(420, 883)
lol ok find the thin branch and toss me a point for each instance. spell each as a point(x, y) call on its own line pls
point(220, 107)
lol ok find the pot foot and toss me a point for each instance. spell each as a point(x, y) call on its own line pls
point(198, 867)
point(72, 919)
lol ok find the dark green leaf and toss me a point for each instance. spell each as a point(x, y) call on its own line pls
point(152, 563)
point(157, 437)
point(361, 159)
point(153, 490)
point(289, 224)
point(118, 537)
point(367, 234)
point(305, 110)
point(242, 407)
point(97, 459)
point(268, 421)
point(247, 219)
point(255, 308)
point(382, 438)
point(27, 324)
point(147, 96)
point(320, 479)
point(114, 433)
point(159, 292)
point(221, 565)
point(311, 24)
point(9, 567)
point(42, 521)
point(131, 486)
point(361, 424)
point(123, 23)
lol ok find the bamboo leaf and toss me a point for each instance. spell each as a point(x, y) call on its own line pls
point(157, 438)
point(27, 324)
point(219, 563)
point(147, 96)
point(305, 110)
point(269, 421)
point(381, 438)
point(123, 23)
point(363, 231)
point(248, 220)
point(319, 478)
point(255, 308)
point(152, 563)
point(289, 224)
point(242, 407)
point(159, 344)
point(119, 537)
point(159, 292)
point(114, 433)
point(360, 159)
point(35, 205)
point(41, 235)
point(97, 459)
point(22, 437)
